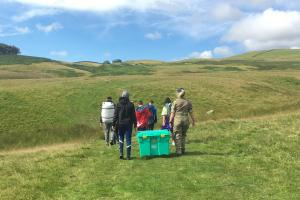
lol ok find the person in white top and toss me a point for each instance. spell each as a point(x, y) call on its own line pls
point(106, 121)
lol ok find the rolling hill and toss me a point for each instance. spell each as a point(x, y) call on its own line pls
point(51, 144)
point(270, 55)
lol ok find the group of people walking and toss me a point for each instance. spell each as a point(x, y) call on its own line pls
point(118, 120)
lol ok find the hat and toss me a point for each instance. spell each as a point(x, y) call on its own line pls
point(125, 93)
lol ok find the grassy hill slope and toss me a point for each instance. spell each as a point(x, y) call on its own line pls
point(247, 149)
point(272, 55)
point(229, 159)
point(28, 67)
point(37, 112)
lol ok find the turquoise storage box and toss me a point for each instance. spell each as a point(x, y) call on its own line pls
point(154, 143)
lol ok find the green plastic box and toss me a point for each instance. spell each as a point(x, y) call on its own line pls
point(154, 143)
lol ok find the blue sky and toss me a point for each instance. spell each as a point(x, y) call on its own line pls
point(97, 30)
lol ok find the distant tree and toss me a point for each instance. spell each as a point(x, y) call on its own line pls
point(9, 50)
point(107, 62)
point(117, 61)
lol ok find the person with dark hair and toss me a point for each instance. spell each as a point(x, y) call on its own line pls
point(124, 120)
point(153, 118)
point(166, 113)
point(106, 120)
point(143, 115)
point(181, 111)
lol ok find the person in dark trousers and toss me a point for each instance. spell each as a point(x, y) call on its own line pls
point(153, 118)
point(124, 120)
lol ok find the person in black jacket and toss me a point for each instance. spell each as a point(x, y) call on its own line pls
point(124, 120)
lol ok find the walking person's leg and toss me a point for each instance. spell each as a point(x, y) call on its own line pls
point(178, 138)
point(128, 142)
point(111, 134)
point(183, 141)
point(150, 127)
point(121, 141)
point(106, 131)
point(115, 137)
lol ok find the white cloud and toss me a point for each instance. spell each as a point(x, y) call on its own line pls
point(33, 13)
point(94, 5)
point(222, 51)
point(225, 12)
point(197, 19)
point(295, 47)
point(59, 53)
point(153, 36)
point(203, 54)
point(49, 28)
point(268, 30)
point(22, 30)
point(188, 18)
point(7, 31)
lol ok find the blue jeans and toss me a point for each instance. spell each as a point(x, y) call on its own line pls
point(125, 131)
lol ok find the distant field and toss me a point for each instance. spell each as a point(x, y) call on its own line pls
point(51, 144)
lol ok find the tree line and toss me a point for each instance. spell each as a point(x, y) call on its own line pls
point(9, 50)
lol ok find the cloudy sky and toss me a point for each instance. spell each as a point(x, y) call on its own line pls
point(168, 30)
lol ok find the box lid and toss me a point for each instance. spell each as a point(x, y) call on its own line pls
point(153, 133)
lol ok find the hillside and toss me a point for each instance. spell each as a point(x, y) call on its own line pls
point(270, 55)
point(51, 145)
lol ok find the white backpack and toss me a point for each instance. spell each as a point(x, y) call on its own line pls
point(107, 112)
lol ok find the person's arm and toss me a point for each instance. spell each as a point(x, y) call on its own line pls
point(163, 120)
point(173, 112)
point(193, 118)
point(100, 120)
point(133, 116)
point(192, 115)
point(116, 117)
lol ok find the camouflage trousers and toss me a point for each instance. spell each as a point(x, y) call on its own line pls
point(180, 130)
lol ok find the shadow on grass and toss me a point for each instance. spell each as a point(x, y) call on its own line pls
point(191, 153)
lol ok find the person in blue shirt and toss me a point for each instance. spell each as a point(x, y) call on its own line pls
point(153, 119)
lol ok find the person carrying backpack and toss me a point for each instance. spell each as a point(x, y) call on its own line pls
point(143, 115)
point(124, 120)
point(106, 120)
point(153, 118)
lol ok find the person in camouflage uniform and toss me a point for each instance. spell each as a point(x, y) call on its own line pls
point(181, 111)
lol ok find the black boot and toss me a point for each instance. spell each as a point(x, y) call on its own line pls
point(128, 153)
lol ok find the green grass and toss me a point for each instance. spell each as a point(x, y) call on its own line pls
point(24, 60)
point(36, 112)
point(275, 54)
point(51, 145)
point(228, 159)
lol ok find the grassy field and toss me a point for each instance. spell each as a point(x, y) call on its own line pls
point(51, 145)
